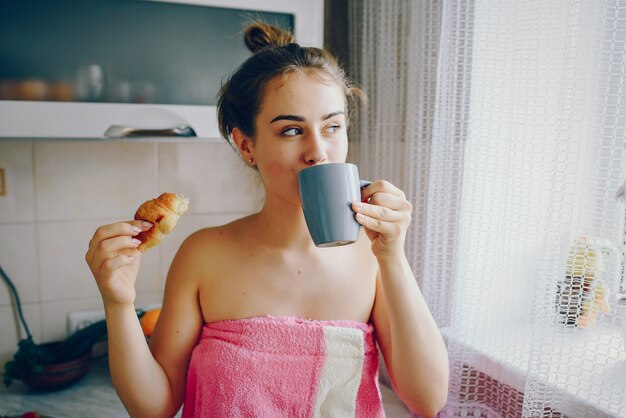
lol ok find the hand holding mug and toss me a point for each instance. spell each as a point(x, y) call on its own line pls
point(385, 213)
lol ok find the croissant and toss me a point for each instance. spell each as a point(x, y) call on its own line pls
point(163, 212)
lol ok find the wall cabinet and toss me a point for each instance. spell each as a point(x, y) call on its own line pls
point(74, 68)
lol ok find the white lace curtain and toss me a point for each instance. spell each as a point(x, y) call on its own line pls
point(504, 121)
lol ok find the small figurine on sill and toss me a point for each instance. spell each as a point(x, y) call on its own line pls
point(583, 293)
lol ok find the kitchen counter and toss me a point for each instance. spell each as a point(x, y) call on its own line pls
point(95, 397)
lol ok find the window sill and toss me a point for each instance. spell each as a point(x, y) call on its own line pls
point(598, 355)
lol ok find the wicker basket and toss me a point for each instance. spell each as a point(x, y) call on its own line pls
point(61, 375)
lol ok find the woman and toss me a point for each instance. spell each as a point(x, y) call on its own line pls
point(285, 109)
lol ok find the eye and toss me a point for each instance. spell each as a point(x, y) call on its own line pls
point(292, 131)
point(335, 127)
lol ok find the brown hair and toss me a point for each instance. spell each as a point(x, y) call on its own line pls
point(275, 54)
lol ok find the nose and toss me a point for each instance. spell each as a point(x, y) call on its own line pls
point(315, 152)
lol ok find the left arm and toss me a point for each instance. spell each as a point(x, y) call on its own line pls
point(411, 343)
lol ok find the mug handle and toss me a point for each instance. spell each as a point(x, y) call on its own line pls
point(363, 184)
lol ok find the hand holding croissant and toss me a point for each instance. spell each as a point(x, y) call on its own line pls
point(164, 212)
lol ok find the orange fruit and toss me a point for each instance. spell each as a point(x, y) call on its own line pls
point(149, 320)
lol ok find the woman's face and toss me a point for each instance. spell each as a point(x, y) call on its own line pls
point(301, 123)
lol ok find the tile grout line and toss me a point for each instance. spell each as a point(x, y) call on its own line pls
point(37, 241)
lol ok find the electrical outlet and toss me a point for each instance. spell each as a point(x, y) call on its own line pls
point(78, 320)
point(3, 188)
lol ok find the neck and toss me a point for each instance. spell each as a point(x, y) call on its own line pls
point(282, 224)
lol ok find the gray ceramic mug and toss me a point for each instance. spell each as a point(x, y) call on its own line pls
point(327, 192)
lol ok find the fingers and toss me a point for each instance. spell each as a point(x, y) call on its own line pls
point(128, 228)
point(113, 237)
point(390, 201)
point(111, 247)
point(387, 210)
point(117, 262)
point(384, 226)
point(378, 211)
point(121, 228)
point(378, 187)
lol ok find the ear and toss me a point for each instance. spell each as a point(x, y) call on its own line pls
point(244, 145)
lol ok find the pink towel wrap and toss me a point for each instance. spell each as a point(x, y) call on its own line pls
point(284, 367)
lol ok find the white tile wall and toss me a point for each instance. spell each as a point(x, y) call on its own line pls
point(18, 258)
point(207, 175)
point(91, 180)
point(18, 205)
point(60, 191)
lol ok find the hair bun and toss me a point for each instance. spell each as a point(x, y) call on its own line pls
point(259, 35)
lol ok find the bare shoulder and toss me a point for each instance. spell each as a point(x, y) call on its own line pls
point(202, 248)
point(216, 237)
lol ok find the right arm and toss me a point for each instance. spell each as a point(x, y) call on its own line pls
point(150, 383)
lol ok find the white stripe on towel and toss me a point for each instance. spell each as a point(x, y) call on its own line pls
point(341, 375)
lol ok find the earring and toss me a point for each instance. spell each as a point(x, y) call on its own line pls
point(251, 161)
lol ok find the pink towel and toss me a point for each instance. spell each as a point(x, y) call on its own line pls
point(284, 367)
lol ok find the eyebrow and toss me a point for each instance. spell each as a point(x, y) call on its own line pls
point(302, 119)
